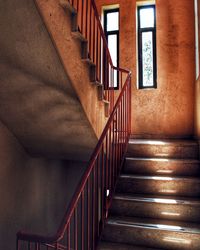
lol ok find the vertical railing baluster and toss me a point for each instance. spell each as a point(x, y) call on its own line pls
point(17, 244)
point(93, 204)
point(129, 105)
point(86, 21)
point(106, 172)
point(94, 38)
point(82, 220)
point(29, 245)
point(126, 114)
point(75, 230)
point(123, 123)
point(77, 8)
point(103, 184)
point(97, 197)
point(56, 246)
point(117, 144)
point(110, 157)
point(121, 117)
point(82, 16)
point(69, 237)
point(90, 31)
point(97, 55)
point(88, 213)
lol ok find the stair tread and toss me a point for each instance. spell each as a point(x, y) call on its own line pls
point(157, 199)
point(163, 142)
point(156, 224)
point(158, 177)
point(162, 159)
point(117, 246)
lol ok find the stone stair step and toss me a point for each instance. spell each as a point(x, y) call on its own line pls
point(152, 233)
point(183, 149)
point(159, 185)
point(160, 166)
point(114, 246)
point(160, 207)
point(66, 5)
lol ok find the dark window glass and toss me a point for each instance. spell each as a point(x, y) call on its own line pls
point(111, 29)
point(147, 46)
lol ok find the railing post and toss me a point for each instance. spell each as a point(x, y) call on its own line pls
point(17, 244)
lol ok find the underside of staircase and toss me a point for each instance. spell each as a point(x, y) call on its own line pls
point(156, 203)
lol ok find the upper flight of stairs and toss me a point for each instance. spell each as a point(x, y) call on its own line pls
point(84, 52)
point(156, 204)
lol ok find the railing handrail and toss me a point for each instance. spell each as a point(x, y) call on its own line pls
point(102, 32)
point(64, 224)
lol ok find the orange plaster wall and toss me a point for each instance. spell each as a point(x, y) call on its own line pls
point(58, 23)
point(197, 89)
point(167, 111)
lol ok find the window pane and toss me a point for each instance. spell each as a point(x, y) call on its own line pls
point(112, 21)
point(146, 17)
point(147, 59)
point(112, 45)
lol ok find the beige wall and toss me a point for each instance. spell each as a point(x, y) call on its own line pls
point(167, 111)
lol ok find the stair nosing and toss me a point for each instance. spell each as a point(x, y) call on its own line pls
point(162, 159)
point(158, 177)
point(158, 200)
point(152, 226)
point(183, 143)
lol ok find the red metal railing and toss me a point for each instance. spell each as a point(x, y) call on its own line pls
point(87, 22)
point(85, 217)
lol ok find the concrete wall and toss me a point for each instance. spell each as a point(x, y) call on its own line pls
point(167, 111)
point(37, 100)
point(34, 192)
point(57, 21)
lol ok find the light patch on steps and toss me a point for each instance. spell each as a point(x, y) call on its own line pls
point(164, 171)
point(165, 201)
point(170, 214)
point(178, 240)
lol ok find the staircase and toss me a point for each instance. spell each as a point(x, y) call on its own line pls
point(156, 204)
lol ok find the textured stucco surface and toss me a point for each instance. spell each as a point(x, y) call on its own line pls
point(35, 192)
point(167, 111)
point(197, 89)
point(58, 22)
point(38, 102)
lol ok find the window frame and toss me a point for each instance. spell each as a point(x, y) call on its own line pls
point(140, 56)
point(113, 32)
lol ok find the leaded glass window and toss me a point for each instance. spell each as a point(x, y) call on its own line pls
point(147, 46)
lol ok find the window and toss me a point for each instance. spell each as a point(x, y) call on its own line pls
point(111, 29)
point(147, 47)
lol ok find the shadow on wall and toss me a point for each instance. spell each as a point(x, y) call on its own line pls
point(45, 118)
point(34, 192)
